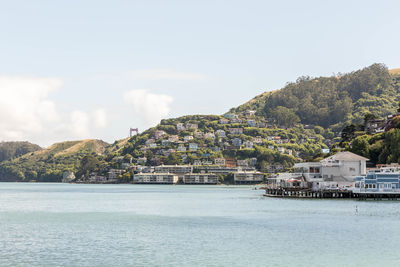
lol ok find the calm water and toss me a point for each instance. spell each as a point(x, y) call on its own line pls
point(151, 225)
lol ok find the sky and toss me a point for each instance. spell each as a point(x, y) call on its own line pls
point(73, 70)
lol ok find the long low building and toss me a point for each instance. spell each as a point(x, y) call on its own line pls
point(178, 169)
point(200, 178)
point(155, 178)
point(249, 177)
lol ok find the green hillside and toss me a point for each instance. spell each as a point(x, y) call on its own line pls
point(331, 102)
point(49, 164)
point(10, 150)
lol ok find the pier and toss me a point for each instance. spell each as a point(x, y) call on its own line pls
point(282, 192)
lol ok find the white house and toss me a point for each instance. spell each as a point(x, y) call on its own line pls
point(193, 146)
point(220, 161)
point(220, 133)
point(236, 142)
point(180, 127)
point(187, 138)
point(248, 144)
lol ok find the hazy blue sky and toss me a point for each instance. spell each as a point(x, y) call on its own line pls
point(79, 69)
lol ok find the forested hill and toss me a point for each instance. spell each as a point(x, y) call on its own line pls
point(10, 150)
point(47, 165)
point(331, 101)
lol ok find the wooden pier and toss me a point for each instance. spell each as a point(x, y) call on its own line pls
point(291, 192)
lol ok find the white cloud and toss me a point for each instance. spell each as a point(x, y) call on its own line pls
point(153, 107)
point(166, 74)
point(28, 113)
point(24, 107)
point(99, 118)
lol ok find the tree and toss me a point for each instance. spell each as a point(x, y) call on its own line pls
point(285, 116)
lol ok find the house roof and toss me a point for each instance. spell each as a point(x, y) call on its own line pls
point(346, 156)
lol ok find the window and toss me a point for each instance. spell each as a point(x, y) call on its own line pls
point(352, 169)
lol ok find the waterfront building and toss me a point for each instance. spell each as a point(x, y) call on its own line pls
point(176, 169)
point(155, 178)
point(248, 177)
point(339, 170)
point(385, 180)
point(200, 178)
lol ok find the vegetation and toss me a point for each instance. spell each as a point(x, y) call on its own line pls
point(11, 150)
point(332, 102)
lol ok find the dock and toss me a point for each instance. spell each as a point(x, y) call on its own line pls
point(334, 193)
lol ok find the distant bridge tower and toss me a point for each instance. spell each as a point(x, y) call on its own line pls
point(133, 130)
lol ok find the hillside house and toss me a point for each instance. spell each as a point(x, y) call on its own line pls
point(159, 134)
point(193, 146)
point(187, 138)
point(221, 133)
point(193, 126)
point(173, 138)
point(230, 116)
point(236, 131)
point(181, 148)
point(198, 134)
point(209, 136)
point(249, 113)
point(281, 149)
point(257, 140)
point(219, 161)
point(230, 162)
point(237, 142)
point(150, 141)
point(216, 149)
point(253, 162)
point(252, 123)
point(223, 121)
point(165, 142)
point(242, 163)
point(180, 127)
point(248, 144)
point(237, 120)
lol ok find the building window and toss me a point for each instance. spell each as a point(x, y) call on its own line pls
point(352, 169)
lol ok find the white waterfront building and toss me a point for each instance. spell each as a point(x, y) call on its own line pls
point(337, 171)
point(155, 178)
point(200, 178)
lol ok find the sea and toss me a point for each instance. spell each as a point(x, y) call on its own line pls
point(54, 224)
